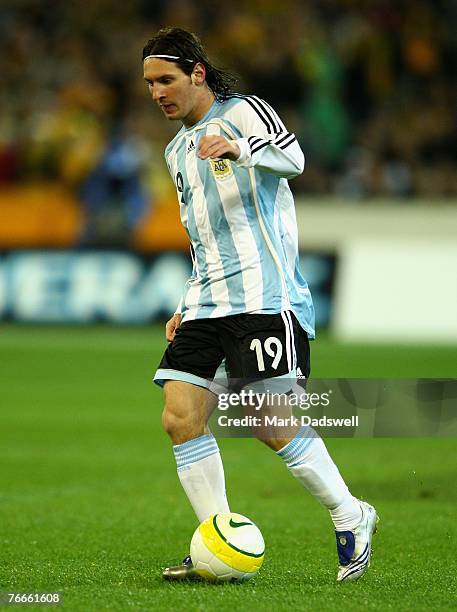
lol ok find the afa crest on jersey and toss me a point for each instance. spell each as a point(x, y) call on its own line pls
point(221, 168)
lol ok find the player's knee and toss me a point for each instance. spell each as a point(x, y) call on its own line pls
point(172, 422)
point(181, 427)
point(183, 417)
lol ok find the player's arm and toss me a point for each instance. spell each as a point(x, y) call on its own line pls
point(265, 143)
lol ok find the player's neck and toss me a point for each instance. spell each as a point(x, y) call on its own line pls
point(200, 109)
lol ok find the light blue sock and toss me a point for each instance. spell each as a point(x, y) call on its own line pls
point(294, 452)
point(201, 473)
point(308, 460)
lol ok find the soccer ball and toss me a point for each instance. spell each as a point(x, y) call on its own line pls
point(227, 547)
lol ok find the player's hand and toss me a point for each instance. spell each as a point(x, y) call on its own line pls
point(171, 326)
point(218, 147)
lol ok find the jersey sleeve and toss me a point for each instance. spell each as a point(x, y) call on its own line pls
point(265, 143)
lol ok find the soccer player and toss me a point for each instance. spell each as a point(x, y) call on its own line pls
point(246, 304)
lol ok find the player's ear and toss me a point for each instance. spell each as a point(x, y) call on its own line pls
point(198, 74)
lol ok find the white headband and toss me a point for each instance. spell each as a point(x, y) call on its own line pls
point(170, 57)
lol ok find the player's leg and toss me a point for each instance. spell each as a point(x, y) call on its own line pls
point(187, 408)
point(309, 461)
point(306, 455)
point(189, 363)
point(303, 451)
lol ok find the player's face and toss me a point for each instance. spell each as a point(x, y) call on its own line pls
point(170, 87)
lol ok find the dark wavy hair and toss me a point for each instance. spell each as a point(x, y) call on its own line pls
point(187, 46)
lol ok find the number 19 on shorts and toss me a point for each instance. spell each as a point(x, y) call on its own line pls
point(272, 347)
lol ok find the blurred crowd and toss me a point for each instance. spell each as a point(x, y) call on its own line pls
point(368, 86)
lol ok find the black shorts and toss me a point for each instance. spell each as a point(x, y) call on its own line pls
point(247, 346)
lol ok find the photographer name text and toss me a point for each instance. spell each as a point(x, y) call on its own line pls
point(291, 421)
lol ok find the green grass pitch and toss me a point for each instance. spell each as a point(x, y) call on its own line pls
point(90, 504)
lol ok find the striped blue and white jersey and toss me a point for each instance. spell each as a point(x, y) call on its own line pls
point(240, 216)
